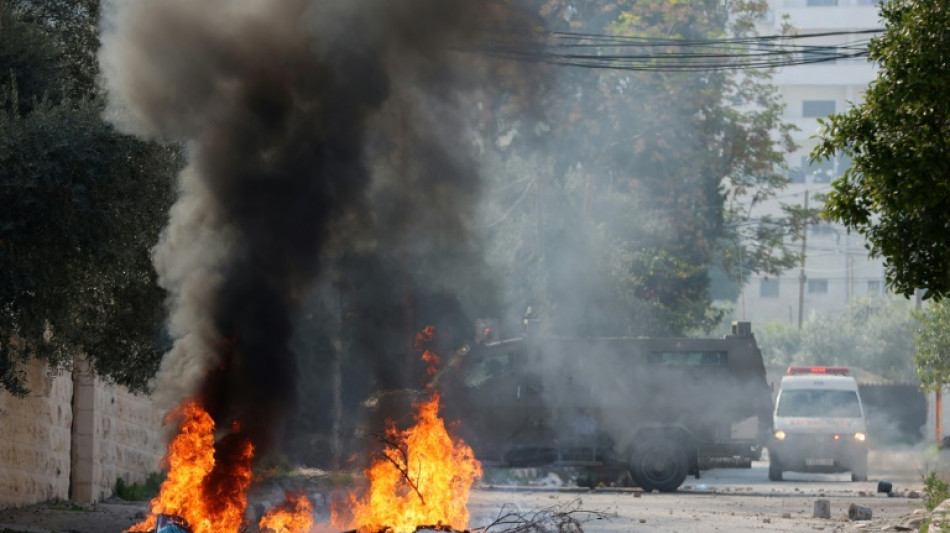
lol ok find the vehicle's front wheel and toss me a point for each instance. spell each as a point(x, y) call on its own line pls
point(660, 464)
point(775, 468)
point(859, 470)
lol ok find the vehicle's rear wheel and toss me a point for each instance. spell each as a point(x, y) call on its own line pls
point(660, 464)
point(775, 469)
point(756, 454)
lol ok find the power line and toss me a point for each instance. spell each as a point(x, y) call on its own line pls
point(618, 52)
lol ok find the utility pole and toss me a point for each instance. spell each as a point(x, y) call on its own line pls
point(938, 392)
point(741, 281)
point(848, 270)
point(851, 278)
point(938, 415)
point(801, 271)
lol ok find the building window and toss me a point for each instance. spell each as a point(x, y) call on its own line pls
point(822, 229)
point(875, 287)
point(768, 288)
point(817, 286)
point(796, 175)
point(817, 108)
point(822, 3)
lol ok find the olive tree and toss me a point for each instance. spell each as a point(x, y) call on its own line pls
point(82, 207)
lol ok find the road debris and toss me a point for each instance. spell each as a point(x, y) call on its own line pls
point(858, 512)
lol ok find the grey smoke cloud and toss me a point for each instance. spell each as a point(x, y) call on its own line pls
point(282, 106)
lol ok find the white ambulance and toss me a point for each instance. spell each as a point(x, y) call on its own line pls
point(819, 424)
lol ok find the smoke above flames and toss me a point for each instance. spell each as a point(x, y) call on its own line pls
point(279, 106)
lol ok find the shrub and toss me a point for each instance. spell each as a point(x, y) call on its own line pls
point(936, 491)
point(137, 491)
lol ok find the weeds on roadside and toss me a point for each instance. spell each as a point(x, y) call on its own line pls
point(137, 492)
point(936, 490)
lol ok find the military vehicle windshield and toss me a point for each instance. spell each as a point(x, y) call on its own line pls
point(493, 366)
point(689, 358)
point(819, 403)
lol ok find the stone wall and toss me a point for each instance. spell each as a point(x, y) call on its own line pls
point(117, 435)
point(73, 437)
point(35, 439)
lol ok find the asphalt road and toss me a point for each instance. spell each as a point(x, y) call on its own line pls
point(734, 500)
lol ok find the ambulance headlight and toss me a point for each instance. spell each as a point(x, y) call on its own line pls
point(780, 435)
point(860, 436)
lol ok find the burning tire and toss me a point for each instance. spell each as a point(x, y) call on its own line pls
point(660, 464)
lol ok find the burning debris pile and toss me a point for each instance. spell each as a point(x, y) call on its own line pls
point(422, 480)
point(423, 477)
point(206, 487)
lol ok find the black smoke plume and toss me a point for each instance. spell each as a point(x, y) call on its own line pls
point(280, 105)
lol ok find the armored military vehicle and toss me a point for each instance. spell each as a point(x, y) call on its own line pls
point(644, 410)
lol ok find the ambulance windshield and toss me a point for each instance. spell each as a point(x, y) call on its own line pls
point(819, 403)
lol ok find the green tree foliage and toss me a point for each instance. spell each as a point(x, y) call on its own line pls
point(875, 335)
point(82, 206)
point(72, 26)
point(897, 191)
point(613, 204)
point(932, 346)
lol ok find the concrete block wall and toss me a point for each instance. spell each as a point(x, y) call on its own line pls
point(35, 439)
point(128, 442)
point(73, 437)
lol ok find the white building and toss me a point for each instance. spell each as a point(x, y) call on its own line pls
point(837, 268)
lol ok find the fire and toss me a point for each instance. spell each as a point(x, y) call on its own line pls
point(295, 514)
point(207, 480)
point(423, 478)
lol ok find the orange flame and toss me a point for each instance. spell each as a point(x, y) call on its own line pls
point(423, 479)
point(424, 337)
point(207, 481)
point(294, 514)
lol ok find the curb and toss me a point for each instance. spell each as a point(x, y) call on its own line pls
point(23, 529)
point(940, 518)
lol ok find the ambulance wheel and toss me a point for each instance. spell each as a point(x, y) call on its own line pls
point(775, 469)
point(859, 470)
